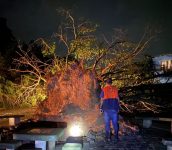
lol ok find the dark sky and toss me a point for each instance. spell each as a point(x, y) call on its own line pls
point(31, 19)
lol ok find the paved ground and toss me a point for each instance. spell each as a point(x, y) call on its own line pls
point(148, 139)
point(136, 142)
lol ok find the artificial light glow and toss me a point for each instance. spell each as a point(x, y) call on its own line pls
point(75, 130)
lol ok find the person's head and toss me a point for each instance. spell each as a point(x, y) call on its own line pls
point(109, 81)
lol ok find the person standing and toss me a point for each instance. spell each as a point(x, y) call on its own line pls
point(110, 108)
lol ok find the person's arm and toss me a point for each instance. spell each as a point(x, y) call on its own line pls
point(101, 103)
point(101, 99)
point(118, 102)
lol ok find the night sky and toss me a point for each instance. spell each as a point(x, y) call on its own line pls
point(31, 19)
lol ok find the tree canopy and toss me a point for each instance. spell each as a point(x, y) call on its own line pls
point(38, 67)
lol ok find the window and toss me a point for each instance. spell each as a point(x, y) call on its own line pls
point(166, 65)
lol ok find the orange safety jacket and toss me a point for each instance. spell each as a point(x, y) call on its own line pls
point(110, 92)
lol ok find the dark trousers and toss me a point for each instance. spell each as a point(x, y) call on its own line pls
point(111, 115)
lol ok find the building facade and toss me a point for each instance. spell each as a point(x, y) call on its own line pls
point(163, 66)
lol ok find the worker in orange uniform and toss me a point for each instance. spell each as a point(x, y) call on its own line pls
point(110, 107)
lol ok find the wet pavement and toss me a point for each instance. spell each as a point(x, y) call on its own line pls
point(145, 139)
point(149, 139)
point(128, 143)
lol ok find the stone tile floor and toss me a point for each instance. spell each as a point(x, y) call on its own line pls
point(147, 140)
point(128, 143)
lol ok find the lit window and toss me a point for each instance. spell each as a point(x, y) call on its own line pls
point(166, 65)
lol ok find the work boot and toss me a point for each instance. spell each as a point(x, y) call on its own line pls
point(115, 139)
point(107, 139)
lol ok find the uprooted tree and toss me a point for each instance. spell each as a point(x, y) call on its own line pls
point(75, 78)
